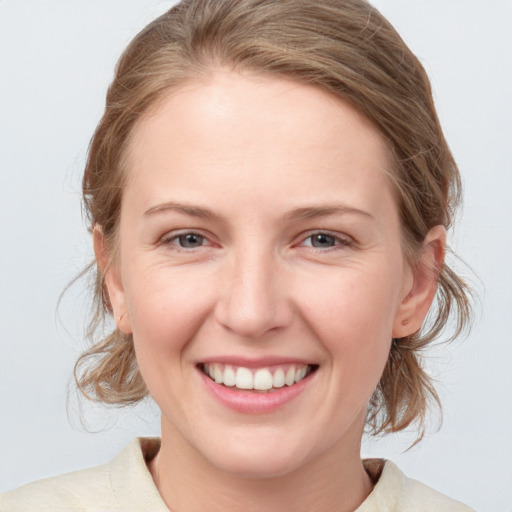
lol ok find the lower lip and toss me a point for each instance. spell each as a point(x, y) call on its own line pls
point(251, 402)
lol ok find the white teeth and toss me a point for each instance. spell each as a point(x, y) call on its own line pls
point(229, 376)
point(244, 379)
point(263, 379)
point(218, 376)
point(300, 374)
point(278, 378)
point(290, 376)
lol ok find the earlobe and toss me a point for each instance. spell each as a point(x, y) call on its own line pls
point(112, 281)
point(418, 298)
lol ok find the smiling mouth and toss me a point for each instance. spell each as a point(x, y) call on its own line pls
point(263, 380)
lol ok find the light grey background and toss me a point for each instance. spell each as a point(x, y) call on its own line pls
point(56, 60)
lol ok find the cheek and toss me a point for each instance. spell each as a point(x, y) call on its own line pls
point(165, 313)
point(361, 304)
point(353, 319)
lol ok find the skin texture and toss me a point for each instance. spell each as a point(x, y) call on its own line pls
point(250, 150)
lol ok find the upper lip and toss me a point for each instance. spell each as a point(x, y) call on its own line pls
point(259, 362)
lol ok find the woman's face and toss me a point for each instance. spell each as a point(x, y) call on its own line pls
point(260, 242)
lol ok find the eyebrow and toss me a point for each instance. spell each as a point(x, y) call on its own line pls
point(303, 213)
point(313, 212)
point(190, 210)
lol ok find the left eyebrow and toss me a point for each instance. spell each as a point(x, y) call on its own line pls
point(313, 212)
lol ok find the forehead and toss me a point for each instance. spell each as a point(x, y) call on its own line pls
point(235, 129)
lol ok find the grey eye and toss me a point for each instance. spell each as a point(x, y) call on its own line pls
point(190, 240)
point(323, 240)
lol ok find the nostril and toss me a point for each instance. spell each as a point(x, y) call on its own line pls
point(253, 320)
point(252, 296)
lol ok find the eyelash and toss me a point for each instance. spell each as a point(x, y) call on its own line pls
point(343, 241)
point(168, 240)
point(339, 240)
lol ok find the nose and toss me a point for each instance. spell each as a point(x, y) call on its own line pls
point(253, 296)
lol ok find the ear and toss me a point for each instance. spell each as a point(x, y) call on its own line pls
point(109, 267)
point(421, 291)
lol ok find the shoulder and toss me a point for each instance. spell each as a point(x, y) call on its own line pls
point(123, 484)
point(72, 491)
point(394, 492)
point(420, 497)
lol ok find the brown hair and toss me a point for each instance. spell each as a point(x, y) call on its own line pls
point(343, 46)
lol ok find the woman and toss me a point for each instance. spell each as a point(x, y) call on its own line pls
point(269, 191)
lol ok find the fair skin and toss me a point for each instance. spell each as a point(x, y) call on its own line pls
point(259, 230)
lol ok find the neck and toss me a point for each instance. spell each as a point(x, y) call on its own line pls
point(334, 481)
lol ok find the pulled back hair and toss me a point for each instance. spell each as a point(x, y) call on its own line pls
point(345, 47)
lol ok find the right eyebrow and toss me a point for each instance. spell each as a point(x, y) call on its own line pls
point(191, 211)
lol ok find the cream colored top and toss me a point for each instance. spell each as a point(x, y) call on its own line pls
point(125, 485)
